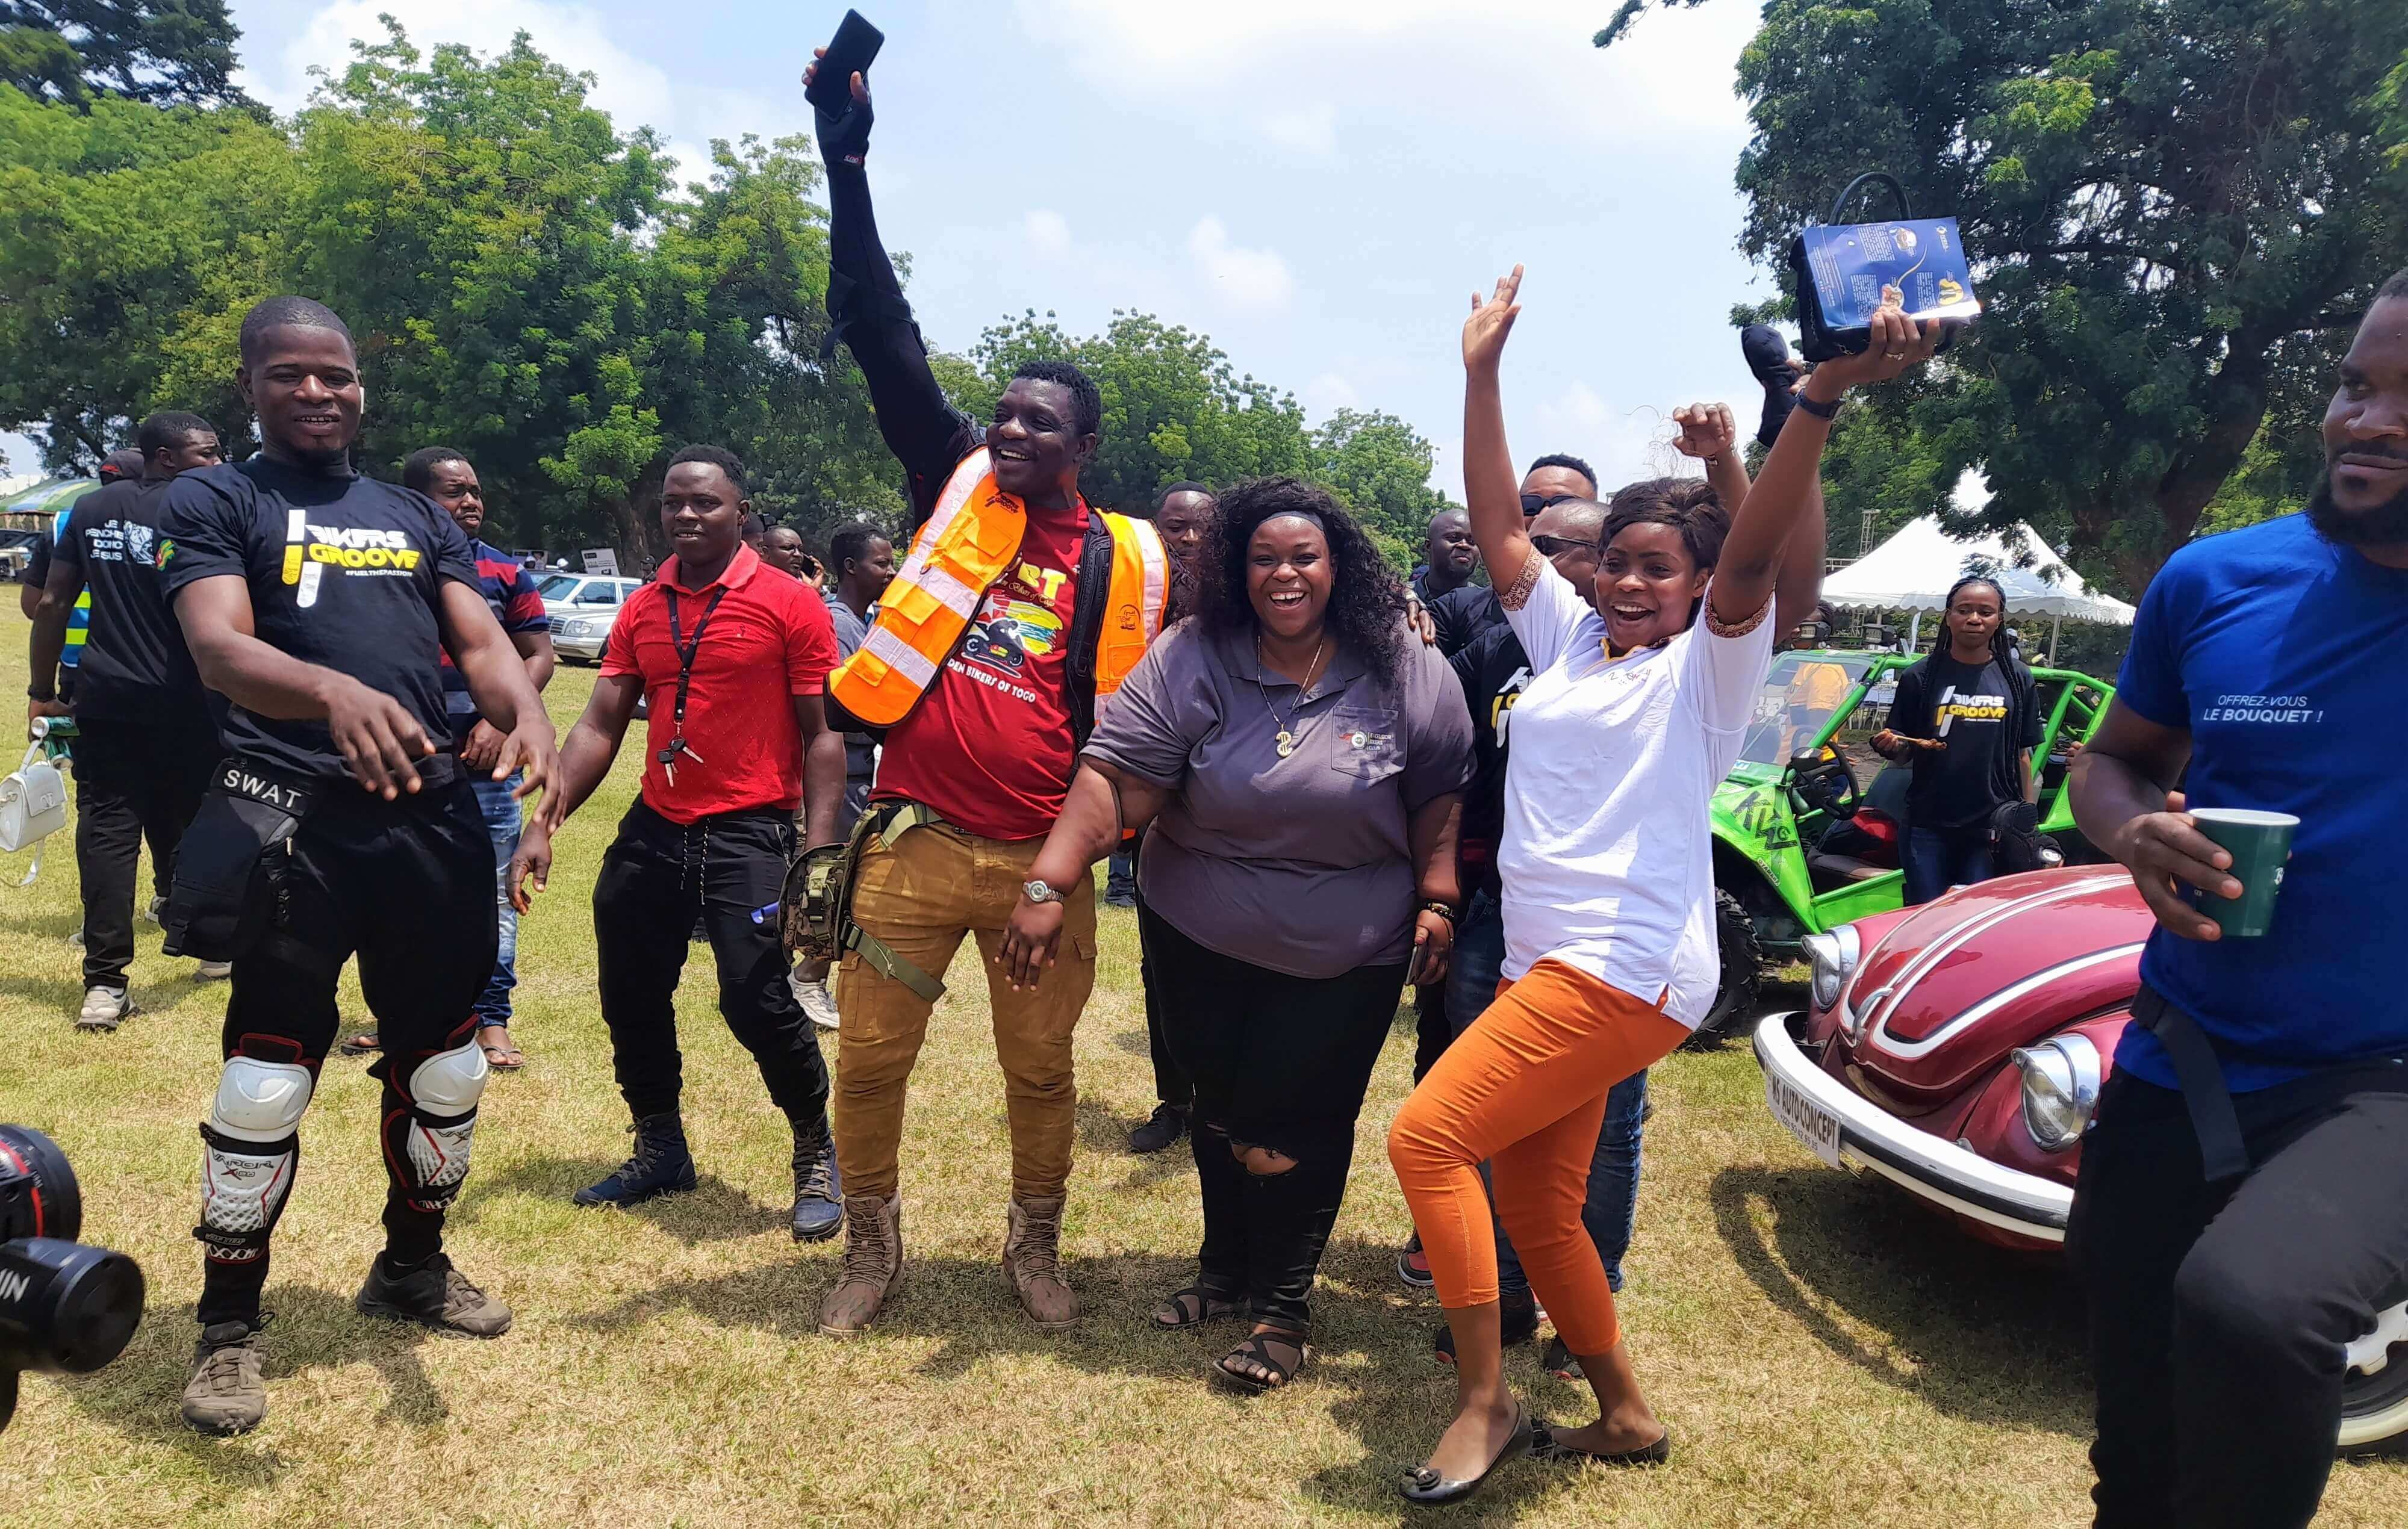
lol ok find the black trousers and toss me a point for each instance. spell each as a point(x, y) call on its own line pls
point(134, 781)
point(1281, 1062)
point(2218, 1314)
point(407, 886)
point(731, 867)
point(1171, 1085)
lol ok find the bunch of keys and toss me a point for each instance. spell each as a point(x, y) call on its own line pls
point(668, 758)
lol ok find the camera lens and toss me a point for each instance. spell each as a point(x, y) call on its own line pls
point(63, 1305)
point(38, 1197)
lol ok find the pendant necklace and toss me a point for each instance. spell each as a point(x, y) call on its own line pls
point(1286, 739)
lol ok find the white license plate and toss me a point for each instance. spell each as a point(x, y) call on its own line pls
point(1809, 1121)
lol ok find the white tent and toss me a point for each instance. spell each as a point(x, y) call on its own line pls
point(1913, 570)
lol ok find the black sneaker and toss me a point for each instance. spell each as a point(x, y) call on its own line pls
point(661, 1166)
point(1166, 1124)
point(1517, 1322)
point(1559, 1362)
point(434, 1294)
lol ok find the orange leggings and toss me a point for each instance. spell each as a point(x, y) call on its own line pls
point(1525, 1087)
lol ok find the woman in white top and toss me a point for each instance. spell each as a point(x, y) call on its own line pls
point(1644, 687)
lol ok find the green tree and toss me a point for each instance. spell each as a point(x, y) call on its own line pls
point(157, 51)
point(128, 235)
point(2179, 209)
point(1173, 405)
point(1380, 466)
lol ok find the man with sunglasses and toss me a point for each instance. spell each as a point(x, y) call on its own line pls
point(1462, 614)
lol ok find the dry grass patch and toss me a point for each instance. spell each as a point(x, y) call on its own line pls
point(1825, 1354)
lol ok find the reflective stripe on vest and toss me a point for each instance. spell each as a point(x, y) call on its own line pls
point(971, 539)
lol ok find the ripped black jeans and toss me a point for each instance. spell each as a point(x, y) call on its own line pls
point(1279, 1063)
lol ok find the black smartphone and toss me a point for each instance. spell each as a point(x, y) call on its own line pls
point(849, 53)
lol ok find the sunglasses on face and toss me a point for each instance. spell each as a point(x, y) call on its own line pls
point(1533, 503)
point(1559, 546)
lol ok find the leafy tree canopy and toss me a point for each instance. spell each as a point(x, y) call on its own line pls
point(2179, 209)
point(157, 51)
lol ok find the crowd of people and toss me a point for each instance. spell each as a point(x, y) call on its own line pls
point(318, 695)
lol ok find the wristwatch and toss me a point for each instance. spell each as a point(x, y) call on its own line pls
point(1038, 892)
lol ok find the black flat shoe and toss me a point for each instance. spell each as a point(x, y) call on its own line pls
point(1546, 1446)
point(1425, 1485)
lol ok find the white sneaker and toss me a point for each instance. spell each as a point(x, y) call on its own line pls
point(105, 1009)
point(816, 1000)
point(212, 971)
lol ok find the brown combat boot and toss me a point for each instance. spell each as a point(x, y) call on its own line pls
point(873, 1263)
point(1032, 1261)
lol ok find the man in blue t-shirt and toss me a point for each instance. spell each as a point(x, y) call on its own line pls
point(2243, 1210)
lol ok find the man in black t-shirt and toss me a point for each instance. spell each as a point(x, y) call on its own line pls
point(320, 604)
point(144, 741)
point(1463, 613)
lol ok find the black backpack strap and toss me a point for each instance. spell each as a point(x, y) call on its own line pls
point(1088, 625)
point(2223, 1153)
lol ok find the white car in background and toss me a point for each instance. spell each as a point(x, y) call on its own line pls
point(582, 608)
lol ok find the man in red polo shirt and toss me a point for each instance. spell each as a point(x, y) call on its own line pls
point(734, 658)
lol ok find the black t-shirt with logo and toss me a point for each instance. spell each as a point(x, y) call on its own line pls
point(135, 665)
point(1494, 671)
point(1986, 714)
point(344, 572)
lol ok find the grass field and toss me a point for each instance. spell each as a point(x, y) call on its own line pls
point(1823, 1353)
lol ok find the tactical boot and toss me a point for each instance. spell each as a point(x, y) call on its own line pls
point(225, 1394)
point(819, 1190)
point(873, 1263)
point(662, 1165)
point(434, 1294)
point(1032, 1261)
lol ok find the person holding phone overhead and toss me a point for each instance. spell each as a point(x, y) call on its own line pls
point(1301, 759)
point(1643, 689)
point(1966, 722)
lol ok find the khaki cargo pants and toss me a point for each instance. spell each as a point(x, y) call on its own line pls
point(922, 895)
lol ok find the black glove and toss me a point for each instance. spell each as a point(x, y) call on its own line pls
point(845, 139)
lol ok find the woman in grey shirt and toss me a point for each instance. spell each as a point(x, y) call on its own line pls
point(1301, 761)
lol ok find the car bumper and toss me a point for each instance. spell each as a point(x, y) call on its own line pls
point(1940, 1172)
point(583, 649)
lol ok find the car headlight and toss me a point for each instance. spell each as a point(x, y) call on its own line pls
point(1833, 957)
point(2061, 1090)
point(582, 628)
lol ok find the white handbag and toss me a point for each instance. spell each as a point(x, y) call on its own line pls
point(32, 803)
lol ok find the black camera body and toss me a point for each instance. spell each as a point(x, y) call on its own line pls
point(64, 1308)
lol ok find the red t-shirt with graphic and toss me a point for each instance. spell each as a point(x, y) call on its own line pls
point(989, 746)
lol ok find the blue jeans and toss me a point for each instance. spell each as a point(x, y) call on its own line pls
point(501, 813)
point(1612, 1204)
point(1939, 858)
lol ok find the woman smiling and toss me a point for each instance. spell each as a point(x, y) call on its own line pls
point(1302, 759)
point(1642, 688)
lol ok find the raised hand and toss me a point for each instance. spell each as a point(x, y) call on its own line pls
point(844, 138)
point(1491, 321)
point(1896, 346)
point(1707, 431)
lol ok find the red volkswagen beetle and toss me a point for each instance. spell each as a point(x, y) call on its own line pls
point(1957, 1050)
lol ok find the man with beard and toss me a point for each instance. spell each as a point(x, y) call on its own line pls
point(2242, 1210)
point(1016, 614)
point(1462, 614)
point(320, 604)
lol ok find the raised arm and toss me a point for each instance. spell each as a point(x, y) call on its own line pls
point(1790, 487)
point(864, 300)
point(1491, 493)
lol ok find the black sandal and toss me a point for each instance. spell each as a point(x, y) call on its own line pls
point(1195, 1306)
point(1257, 1348)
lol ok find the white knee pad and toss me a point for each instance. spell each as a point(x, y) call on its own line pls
point(249, 1154)
point(259, 1101)
point(450, 1083)
point(441, 1126)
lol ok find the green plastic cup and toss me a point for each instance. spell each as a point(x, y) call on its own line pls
point(2259, 843)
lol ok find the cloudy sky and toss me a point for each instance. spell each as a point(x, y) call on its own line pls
point(1317, 184)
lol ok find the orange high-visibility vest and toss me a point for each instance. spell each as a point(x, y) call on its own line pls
point(971, 539)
